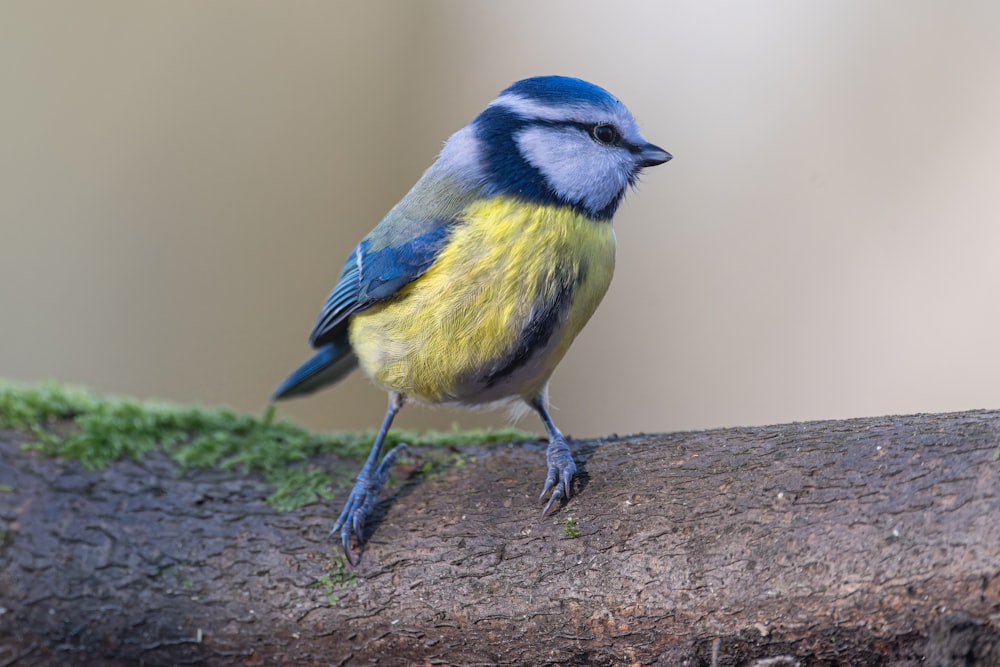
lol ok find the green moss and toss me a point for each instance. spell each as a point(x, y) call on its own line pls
point(434, 463)
point(570, 530)
point(177, 575)
point(298, 487)
point(336, 578)
point(96, 430)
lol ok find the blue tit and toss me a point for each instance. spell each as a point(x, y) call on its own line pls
point(473, 286)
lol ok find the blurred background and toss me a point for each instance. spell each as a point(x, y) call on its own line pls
point(180, 183)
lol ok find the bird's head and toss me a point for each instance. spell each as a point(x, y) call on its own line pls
point(554, 140)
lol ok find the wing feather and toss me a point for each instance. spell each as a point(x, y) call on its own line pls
point(373, 274)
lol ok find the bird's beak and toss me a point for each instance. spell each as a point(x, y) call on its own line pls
point(650, 156)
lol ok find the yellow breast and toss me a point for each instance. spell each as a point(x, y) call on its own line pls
point(470, 330)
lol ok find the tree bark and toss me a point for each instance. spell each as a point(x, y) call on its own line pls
point(860, 542)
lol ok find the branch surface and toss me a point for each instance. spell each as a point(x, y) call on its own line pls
point(867, 541)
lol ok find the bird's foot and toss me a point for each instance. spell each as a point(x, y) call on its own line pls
point(361, 502)
point(561, 471)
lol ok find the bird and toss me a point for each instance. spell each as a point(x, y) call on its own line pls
point(471, 288)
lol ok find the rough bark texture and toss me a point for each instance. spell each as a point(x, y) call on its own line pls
point(862, 542)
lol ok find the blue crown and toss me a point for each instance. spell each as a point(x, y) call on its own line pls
point(562, 89)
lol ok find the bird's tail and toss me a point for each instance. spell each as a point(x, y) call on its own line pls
point(330, 363)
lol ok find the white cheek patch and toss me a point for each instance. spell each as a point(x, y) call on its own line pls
point(575, 167)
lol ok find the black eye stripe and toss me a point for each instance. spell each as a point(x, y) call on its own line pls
point(590, 129)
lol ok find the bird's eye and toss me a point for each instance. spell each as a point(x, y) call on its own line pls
point(605, 134)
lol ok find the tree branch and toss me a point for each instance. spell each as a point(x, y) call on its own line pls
point(869, 541)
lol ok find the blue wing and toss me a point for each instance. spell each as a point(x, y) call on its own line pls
point(376, 270)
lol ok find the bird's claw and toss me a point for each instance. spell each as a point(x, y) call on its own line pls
point(362, 501)
point(352, 519)
point(560, 475)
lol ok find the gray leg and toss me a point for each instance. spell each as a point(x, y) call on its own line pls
point(371, 479)
point(560, 460)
